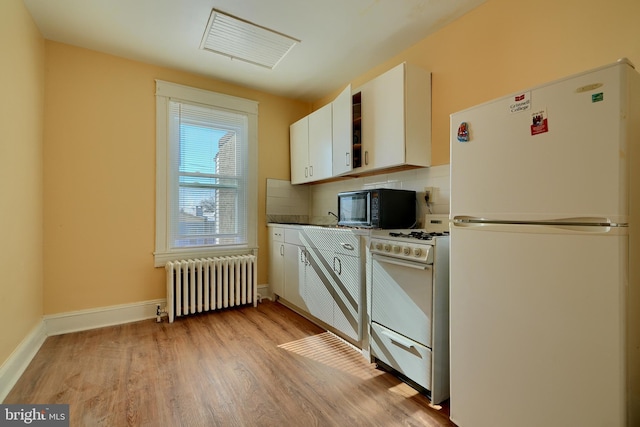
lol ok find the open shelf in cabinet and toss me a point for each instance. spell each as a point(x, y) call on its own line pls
point(357, 130)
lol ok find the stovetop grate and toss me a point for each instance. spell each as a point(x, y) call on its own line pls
point(420, 235)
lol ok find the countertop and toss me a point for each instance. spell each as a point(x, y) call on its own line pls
point(358, 231)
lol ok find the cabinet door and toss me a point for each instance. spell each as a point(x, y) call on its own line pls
point(318, 287)
point(320, 144)
point(294, 265)
point(276, 260)
point(299, 150)
point(347, 295)
point(276, 268)
point(342, 132)
point(383, 109)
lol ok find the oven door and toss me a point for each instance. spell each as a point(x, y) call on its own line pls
point(402, 297)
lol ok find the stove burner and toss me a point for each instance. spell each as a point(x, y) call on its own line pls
point(420, 235)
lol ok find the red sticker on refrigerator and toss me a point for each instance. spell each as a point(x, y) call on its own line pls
point(539, 122)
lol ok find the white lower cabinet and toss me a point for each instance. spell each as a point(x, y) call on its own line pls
point(294, 264)
point(276, 261)
point(287, 264)
point(334, 278)
point(319, 271)
point(347, 310)
point(333, 290)
point(295, 260)
point(317, 289)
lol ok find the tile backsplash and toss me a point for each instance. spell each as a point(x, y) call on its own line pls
point(312, 203)
point(287, 203)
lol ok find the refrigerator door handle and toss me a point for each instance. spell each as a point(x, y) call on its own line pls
point(581, 225)
point(580, 221)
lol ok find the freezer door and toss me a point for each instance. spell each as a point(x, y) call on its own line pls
point(537, 330)
point(571, 165)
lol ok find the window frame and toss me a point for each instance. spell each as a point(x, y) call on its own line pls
point(166, 91)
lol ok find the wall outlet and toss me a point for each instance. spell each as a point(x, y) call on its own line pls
point(430, 194)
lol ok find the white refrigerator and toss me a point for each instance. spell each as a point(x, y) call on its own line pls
point(545, 255)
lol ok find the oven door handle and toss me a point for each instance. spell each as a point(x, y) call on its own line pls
point(401, 341)
point(401, 263)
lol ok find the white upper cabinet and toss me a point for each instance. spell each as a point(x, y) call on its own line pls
point(396, 119)
point(384, 124)
point(299, 149)
point(343, 137)
point(320, 146)
point(311, 147)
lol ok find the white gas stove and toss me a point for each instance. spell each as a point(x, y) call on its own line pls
point(411, 245)
point(409, 310)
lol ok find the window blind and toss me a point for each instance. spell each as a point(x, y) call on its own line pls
point(207, 176)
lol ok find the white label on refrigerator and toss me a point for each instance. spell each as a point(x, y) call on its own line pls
point(539, 122)
point(520, 103)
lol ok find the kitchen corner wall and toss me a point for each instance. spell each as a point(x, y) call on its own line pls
point(312, 203)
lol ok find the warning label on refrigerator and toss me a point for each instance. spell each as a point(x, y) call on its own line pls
point(539, 122)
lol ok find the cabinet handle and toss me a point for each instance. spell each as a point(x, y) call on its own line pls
point(303, 257)
point(306, 172)
point(347, 246)
point(339, 269)
point(366, 157)
point(311, 170)
point(281, 250)
point(347, 159)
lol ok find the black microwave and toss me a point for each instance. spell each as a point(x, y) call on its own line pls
point(378, 208)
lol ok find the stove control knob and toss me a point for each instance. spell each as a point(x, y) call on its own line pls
point(417, 252)
point(387, 247)
point(378, 246)
point(396, 249)
point(406, 251)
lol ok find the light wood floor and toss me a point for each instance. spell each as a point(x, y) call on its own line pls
point(264, 366)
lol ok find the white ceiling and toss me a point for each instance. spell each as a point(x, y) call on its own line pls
point(341, 39)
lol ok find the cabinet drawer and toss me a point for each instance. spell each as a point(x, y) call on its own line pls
point(277, 234)
point(402, 354)
point(340, 241)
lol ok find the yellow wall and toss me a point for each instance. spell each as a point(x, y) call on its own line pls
point(507, 45)
point(99, 173)
point(21, 121)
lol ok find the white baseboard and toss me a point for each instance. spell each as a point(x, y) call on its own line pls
point(15, 365)
point(83, 320)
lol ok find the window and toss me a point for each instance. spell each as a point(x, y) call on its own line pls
point(206, 173)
